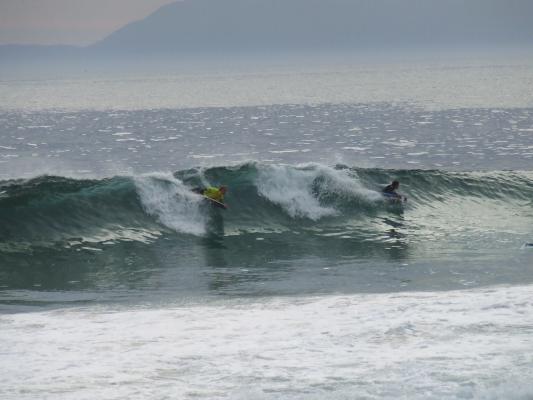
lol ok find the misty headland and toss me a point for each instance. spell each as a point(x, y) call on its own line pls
point(229, 30)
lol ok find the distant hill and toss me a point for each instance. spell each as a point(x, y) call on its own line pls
point(259, 25)
point(212, 27)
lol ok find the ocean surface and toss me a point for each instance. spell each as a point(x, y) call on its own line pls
point(117, 281)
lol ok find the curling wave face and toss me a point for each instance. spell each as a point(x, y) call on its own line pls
point(288, 229)
point(306, 199)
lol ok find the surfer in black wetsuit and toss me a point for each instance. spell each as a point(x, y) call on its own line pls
point(390, 191)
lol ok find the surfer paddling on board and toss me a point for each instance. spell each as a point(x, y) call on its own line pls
point(216, 195)
point(390, 192)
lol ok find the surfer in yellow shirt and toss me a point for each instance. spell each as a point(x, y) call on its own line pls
point(214, 193)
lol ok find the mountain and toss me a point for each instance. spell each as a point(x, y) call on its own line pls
point(269, 25)
point(215, 27)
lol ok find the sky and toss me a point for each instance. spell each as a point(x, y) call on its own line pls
point(74, 22)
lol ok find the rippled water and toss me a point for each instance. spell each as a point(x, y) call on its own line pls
point(444, 83)
point(103, 143)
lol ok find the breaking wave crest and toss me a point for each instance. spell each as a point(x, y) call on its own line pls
point(52, 210)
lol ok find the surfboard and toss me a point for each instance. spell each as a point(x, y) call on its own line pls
point(395, 199)
point(215, 203)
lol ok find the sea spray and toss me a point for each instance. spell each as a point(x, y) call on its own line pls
point(172, 203)
point(313, 190)
point(292, 189)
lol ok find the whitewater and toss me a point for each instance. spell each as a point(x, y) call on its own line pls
point(467, 344)
point(118, 281)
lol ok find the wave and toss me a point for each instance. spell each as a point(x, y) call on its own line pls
point(53, 210)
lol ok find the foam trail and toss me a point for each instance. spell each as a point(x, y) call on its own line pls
point(171, 202)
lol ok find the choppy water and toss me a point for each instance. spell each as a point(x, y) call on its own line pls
point(117, 281)
point(383, 135)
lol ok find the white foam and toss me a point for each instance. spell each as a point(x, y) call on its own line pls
point(475, 344)
point(341, 182)
point(292, 188)
point(171, 202)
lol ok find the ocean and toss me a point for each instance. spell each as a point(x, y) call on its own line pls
point(117, 281)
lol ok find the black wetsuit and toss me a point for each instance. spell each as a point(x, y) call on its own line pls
point(391, 191)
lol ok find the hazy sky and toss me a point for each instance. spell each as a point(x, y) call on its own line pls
point(68, 21)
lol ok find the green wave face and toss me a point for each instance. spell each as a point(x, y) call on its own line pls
point(310, 199)
point(284, 227)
